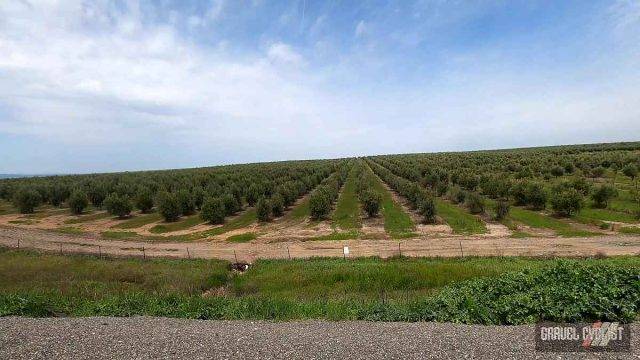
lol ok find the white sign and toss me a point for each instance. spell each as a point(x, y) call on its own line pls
point(345, 250)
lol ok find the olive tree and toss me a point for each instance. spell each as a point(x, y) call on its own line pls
point(78, 201)
point(263, 209)
point(118, 205)
point(213, 210)
point(26, 200)
point(168, 206)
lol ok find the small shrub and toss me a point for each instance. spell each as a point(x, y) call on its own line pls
point(78, 201)
point(602, 194)
point(557, 171)
point(263, 209)
point(231, 204)
point(566, 201)
point(371, 201)
point(501, 209)
point(535, 196)
point(427, 208)
point(597, 172)
point(277, 205)
point(169, 207)
point(456, 194)
point(319, 204)
point(213, 211)
point(475, 203)
point(118, 205)
point(26, 200)
point(630, 170)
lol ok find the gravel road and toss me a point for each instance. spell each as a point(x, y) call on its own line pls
point(147, 338)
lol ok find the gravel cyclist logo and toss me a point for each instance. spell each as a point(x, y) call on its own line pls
point(595, 337)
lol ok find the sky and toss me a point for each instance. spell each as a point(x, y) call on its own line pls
point(100, 85)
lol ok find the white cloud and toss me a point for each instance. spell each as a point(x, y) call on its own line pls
point(84, 74)
point(283, 53)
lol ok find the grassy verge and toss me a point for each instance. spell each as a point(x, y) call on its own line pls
point(300, 211)
point(629, 230)
point(138, 221)
point(183, 224)
point(471, 290)
point(592, 215)
point(460, 221)
point(397, 222)
point(87, 218)
point(537, 220)
point(241, 238)
point(346, 216)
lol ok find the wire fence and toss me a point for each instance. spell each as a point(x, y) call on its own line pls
point(249, 252)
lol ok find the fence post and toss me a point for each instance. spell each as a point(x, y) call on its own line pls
point(18, 243)
point(288, 252)
point(399, 250)
point(461, 252)
point(188, 253)
point(235, 255)
point(60, 248)
point(144, 254)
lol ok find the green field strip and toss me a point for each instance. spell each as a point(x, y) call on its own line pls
point(397, 222)
point(346, 216)
point(538, 220)
point(300, 212)
point(243, 220)
point(461, 222)
point(183, 224)
point(88, 218)
point(138, 221)
point(242, 238)
point(41, 214)
point(591, 215)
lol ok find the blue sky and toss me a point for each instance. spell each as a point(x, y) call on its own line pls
point(89, 86)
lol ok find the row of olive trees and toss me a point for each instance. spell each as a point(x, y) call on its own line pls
point(419, 198)
point(322, 198)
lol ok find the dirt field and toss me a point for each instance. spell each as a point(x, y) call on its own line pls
point(428, 247)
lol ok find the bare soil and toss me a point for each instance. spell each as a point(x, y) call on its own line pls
point(444, 246)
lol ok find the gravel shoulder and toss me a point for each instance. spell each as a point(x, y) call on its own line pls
point(153, 338)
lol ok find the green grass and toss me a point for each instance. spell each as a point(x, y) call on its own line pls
point(593, 215)
point(45, 213)
point(23, 221)
point(538, 220)
point(397, 223)
point(300, 211)
point(347, 213)
point(630, 230)
point(69, 230)
point(182, 224)
point(138, 221)
point(521, 235)
point(471, 290)
point(460, 221)
point(88, 218)
point(242, 238)
point(119, 235)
